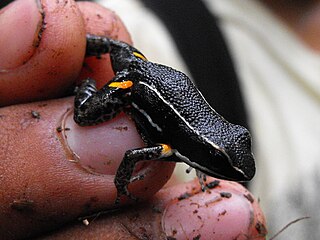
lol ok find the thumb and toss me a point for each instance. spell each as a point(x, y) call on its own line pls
point(47, 169)
point(51, 170)
point(34, 47)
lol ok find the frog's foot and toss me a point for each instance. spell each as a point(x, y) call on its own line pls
point(83, 103)
point(189, 169)
point(123, 176)
point(137, 177)
point(202, 179)
point(88, 87)
point(124, 191)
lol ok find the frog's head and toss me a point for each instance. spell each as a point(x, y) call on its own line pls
point(123, 55)
point(231, 157)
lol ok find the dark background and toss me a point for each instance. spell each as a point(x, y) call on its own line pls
point(4, 3)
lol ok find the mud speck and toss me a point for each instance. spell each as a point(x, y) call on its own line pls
point(249, 197)
point(35, 114)
point(213, 184)
point(184, 196)
point(121, 128)
point(156, 209)
point(223, 213)
point(60, 129)
point(197, 237)
point(43, 105)
point(225, 194)
point(261, 228)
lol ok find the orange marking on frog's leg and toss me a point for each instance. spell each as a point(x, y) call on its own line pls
point(122, 85)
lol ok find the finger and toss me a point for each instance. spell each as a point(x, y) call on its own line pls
point(102, 22)
point(43, 53)
point(45, 182)
point(226, 211)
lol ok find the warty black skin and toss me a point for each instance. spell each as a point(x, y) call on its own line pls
point(167, 109)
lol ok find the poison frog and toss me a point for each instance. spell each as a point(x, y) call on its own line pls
point(173, 118)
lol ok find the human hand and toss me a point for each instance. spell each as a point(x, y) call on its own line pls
point(52, 172)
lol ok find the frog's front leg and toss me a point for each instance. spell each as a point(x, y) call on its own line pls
point(124, 173)
point(94, 106)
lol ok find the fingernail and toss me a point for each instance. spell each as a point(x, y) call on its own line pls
point(20, 23)
point(208, 215)
point(99, 148)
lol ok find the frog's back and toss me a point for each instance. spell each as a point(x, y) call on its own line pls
point(173, 111)
point(167, 93)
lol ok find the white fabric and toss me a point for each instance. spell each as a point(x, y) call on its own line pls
point(280, 79)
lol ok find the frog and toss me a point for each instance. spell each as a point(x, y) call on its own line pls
point(174, 120)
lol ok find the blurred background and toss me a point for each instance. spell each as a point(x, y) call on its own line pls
point(258, 63)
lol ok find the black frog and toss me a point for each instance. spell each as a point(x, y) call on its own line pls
point(171, 115)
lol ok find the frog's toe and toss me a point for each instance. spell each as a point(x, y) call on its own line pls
point(124, 192)
point(133, 197)
point(202, 179)
point(137, 177)
point(117, 201)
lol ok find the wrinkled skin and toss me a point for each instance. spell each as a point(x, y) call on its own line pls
point(53, 172)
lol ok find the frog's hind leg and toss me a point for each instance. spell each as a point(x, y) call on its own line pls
point(124, 174)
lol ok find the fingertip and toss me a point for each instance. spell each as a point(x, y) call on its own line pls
point(51, 54)
point(100, 148)
point(44, 186)
point(21, 23)
point(103, 22)
point(181, 212)
point(226, 211)
point(43, 178)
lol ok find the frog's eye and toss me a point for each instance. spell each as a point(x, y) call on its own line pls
point(140, 55)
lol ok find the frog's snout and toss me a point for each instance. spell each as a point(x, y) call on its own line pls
point(241, 153)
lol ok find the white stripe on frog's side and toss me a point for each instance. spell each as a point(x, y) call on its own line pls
point(184, 158)
point(199, 167)
point(153, 124)
point(185, 121)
